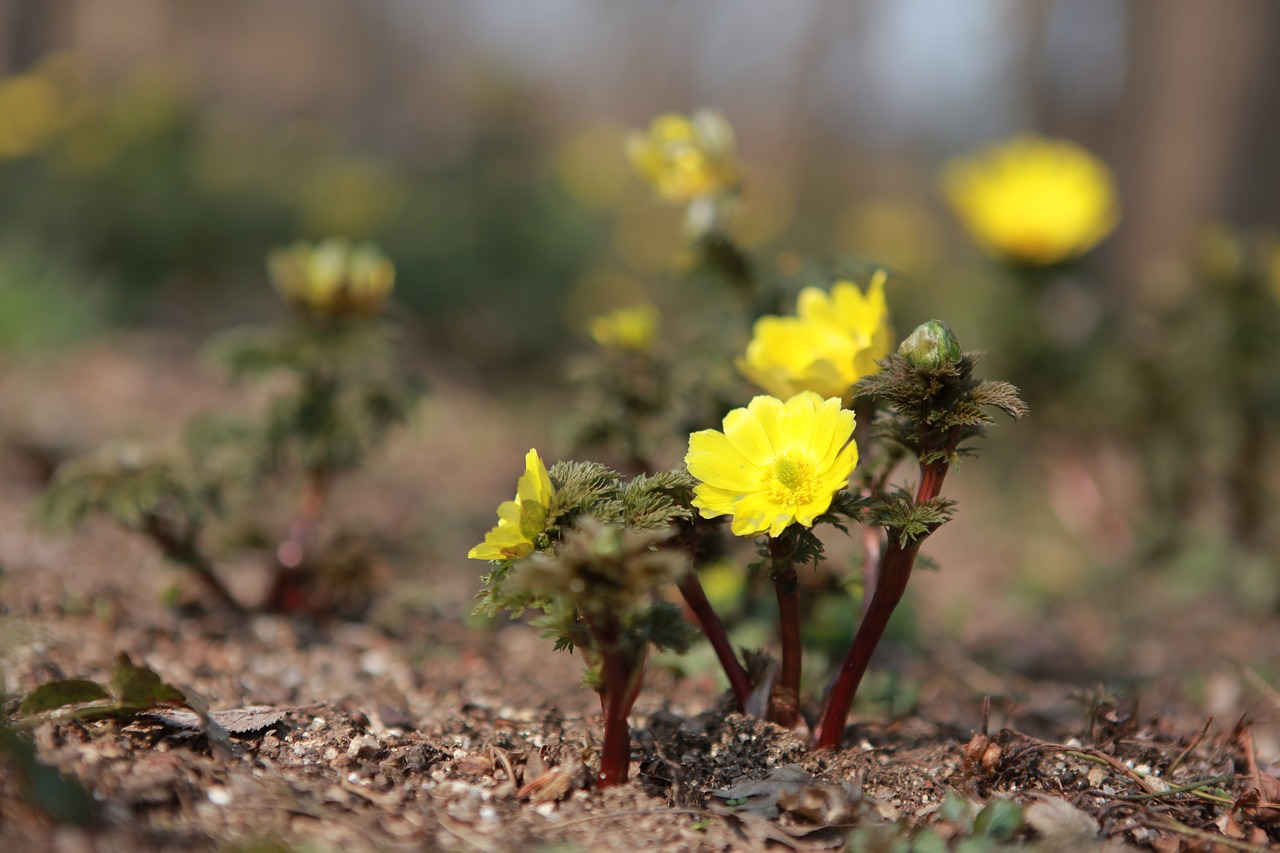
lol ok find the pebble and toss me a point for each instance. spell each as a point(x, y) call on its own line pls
point(363, 746)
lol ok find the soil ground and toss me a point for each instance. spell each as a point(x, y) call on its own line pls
point(416, 729)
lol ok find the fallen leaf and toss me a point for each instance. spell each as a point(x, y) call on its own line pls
point(1260, 801)
point(1055, 818)
point(761, 795)
point(238, 721)
point(791, 789)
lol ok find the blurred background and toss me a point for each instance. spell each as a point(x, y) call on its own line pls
point(153, 151)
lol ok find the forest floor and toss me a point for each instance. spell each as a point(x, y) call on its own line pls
point(415, 728)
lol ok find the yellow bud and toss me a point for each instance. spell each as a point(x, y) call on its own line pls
point(332, 279)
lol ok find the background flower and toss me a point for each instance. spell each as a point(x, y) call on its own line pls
point(686, 157)
point(1033, 200)
point(833, 341)
point(633, 328)
point(775, 464)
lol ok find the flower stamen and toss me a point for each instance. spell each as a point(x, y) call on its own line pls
point(790, 480)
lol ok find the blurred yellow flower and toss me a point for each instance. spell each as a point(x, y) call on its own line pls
point(522, 520)
point(33, 107)
point(333, 278)
point(631, 329)
point(775, 464)
point(835, 340)
point(686, 157)
point(1033, 200)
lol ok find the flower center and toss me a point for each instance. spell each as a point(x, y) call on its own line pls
point(790, 480)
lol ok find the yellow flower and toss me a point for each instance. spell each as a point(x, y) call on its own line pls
point(1033, 200)
point(33, 107)
point(333, 278)
point(522, 520)
point(632, 329)
point(834, 340)
point(775, 463)
point(686, 157)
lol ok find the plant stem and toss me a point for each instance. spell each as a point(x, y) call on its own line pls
point(891, 583)
point(895, 571)
point(183, 550)
point(288, 593)
point(315, 495)
point(787, 587)
point(696, 598)
point(872, 548)
point(621, 689)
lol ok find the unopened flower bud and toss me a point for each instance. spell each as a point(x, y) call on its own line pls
point(332, 279)
point(931, 345)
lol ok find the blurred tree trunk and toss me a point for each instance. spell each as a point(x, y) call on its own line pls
point(1193, 67)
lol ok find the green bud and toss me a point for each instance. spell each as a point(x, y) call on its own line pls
point(931, 345)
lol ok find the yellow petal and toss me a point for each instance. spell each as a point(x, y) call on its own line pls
point(714, 460)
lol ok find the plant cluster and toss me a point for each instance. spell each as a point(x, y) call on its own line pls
point(573, 547)
point(344, 391)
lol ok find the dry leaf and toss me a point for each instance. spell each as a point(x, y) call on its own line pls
point(1056, 818)
point(238, 721)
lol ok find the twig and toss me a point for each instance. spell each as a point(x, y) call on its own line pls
point(1213, 838)
point(1186, 789)
point(1098, 757)
point(1251, 676)
point(1182, 756)
point(636, 813)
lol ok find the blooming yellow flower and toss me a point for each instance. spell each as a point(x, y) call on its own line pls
point(775, 464)
point(333, 278)
point(1033, 200)
point(522, 520)
point(632, 329)
point(833, 341)
point(686, 157)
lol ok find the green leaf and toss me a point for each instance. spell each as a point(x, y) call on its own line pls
point(999, 820)
point(59, 694)
point(928, 841)
point(138, 687)
point(61, 798)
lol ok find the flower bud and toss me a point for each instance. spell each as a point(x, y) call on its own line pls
point(931, 345)
point(332, 279)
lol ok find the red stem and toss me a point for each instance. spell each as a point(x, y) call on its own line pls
point(696, 598)
point(787, 589)
point(621, 689)
point(891, 582)
point(872, 547)
point(895, 571)
point(315, 495)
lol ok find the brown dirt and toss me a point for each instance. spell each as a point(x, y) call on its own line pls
point(415, 729)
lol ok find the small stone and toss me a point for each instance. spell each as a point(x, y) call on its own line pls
point(363, 746)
